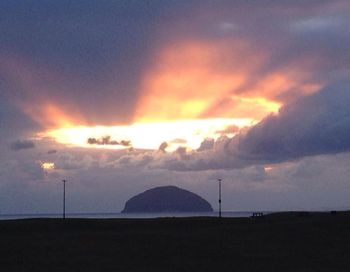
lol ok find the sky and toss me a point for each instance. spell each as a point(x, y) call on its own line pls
point(117, 97)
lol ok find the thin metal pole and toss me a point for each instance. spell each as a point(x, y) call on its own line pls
point(64, 198)
point(220, 198)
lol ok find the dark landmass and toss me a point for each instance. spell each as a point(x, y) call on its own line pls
point(166, 199)
point(276, 242)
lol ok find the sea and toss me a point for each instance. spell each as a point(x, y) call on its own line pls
point(129, 215)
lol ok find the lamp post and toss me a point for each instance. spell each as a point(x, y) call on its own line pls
point(64, 199)
point(219, 180)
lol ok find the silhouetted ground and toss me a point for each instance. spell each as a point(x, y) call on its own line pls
point(278, 242)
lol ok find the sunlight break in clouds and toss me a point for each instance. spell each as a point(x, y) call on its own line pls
point(149, 135)
point(189, 77)
point(191, 92)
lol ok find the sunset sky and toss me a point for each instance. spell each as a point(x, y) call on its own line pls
point(117, 97)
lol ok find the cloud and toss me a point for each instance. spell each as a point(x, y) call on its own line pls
point(214, 55)
point(315, 24)
point(229, 130)
point(22, 144)
point(178, 141)
point(73, 161)
point(313, 125)
point(206, 144)
point(317, 124)
point(111, 63)
point(95, 52)
point(106, 140)
point(163, 147)
point(313, 182)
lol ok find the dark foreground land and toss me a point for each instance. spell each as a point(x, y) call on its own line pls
point(277, 242)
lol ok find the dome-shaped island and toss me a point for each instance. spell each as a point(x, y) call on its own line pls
point(166, 199)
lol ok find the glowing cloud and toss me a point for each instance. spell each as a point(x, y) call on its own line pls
point(148, 135)
point(191, 76)
point(192, 91)
point(47, 165)
point(50, 115)
point(218, 79)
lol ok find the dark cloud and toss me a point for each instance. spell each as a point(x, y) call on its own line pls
point(207, 144)
point(163, 146)
point(106, 140)
point(12, 120)
point(318, 124)
point(22, 144)
point(69, 161)
point(52, 151)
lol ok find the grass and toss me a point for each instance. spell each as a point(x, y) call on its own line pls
point(277, 242)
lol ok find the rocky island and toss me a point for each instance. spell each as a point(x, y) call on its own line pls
point(166, 199)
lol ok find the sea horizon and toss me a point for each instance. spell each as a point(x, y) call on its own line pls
point(112, 215)
point(107, 215)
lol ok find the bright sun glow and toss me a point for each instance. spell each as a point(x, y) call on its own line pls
point(47, 165)
point(187, 133)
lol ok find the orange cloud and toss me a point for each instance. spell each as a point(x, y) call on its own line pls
point(208, 79)
point(276, 83)
point(189, 77)
point(50, 115)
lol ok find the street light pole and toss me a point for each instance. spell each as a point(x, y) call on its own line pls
point(64, 198)
point(219, 197)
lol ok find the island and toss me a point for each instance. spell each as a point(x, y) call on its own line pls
point(166, 199)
